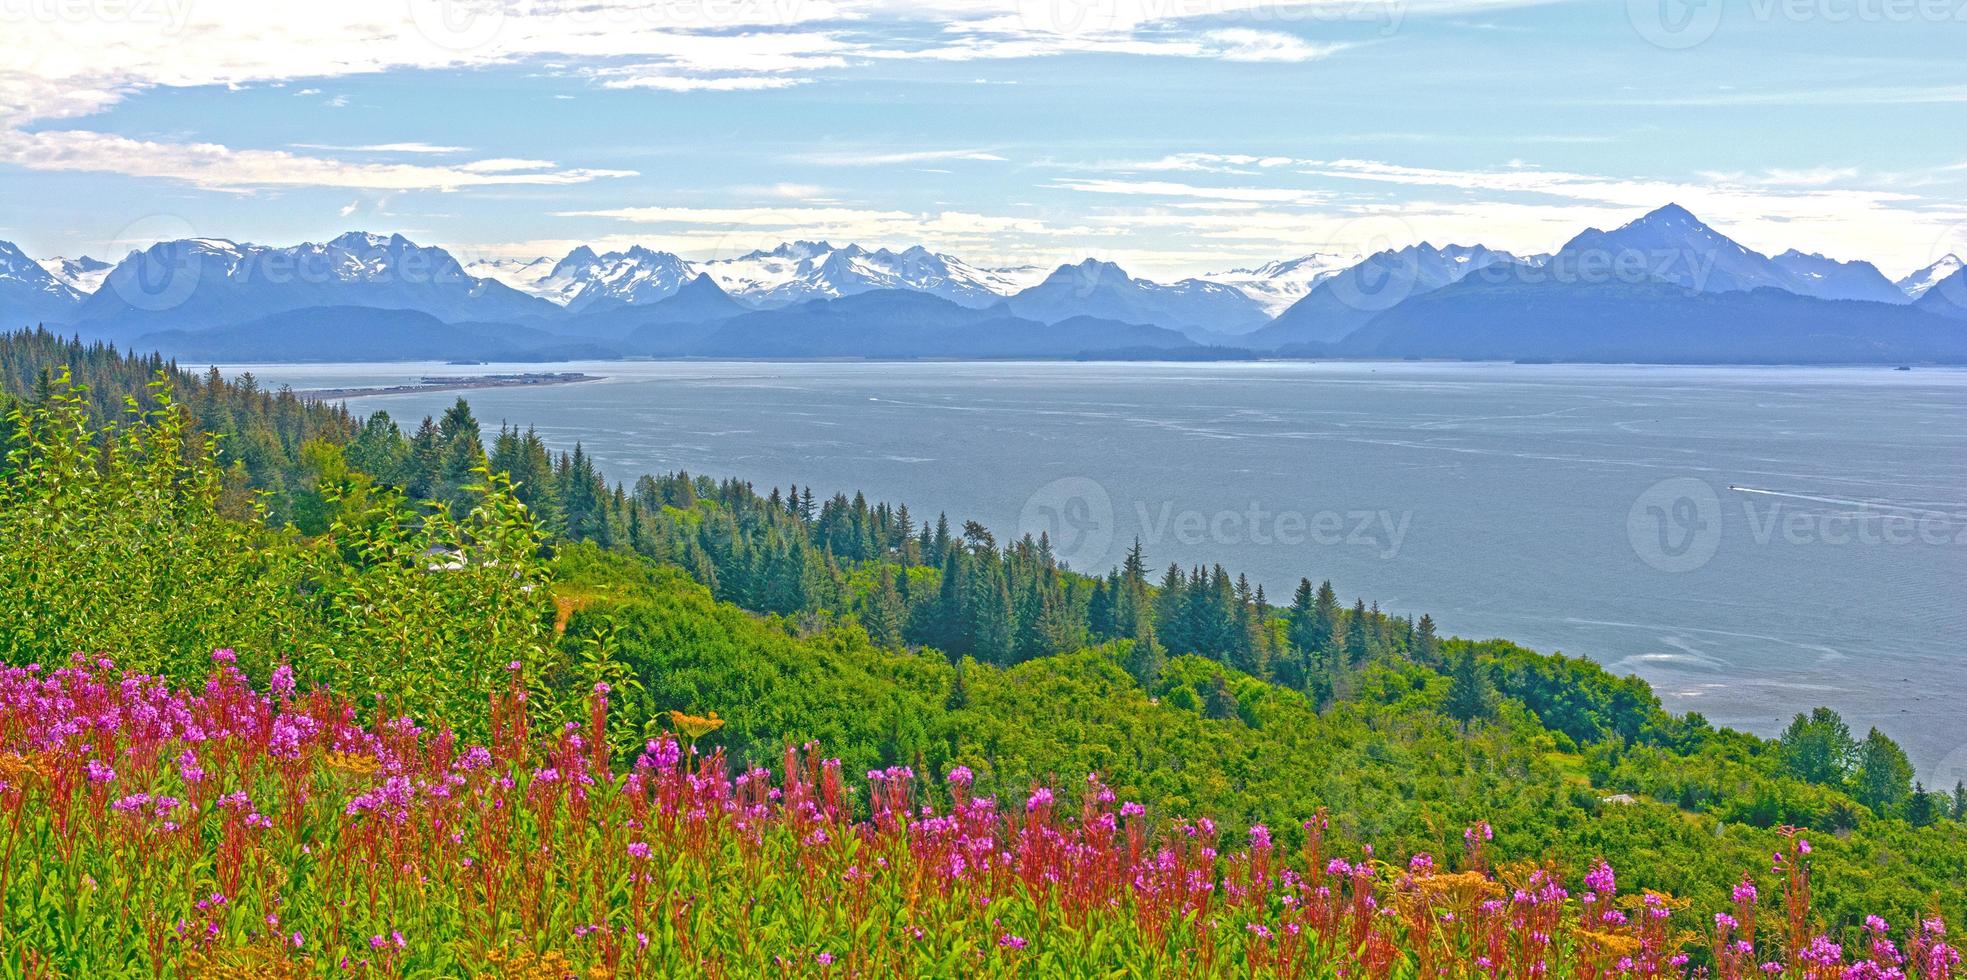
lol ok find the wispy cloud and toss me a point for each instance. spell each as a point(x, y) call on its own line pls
point(411, 147)
point(1166, 188)
point(857, 158)
point(216, 167)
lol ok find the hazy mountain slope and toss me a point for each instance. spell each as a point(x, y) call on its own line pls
point(1828, 278)
point(197, 284)
point(340, 333)
point(1339, 304)
point(895, 323)
point(1652, 322)
point(1105, 291)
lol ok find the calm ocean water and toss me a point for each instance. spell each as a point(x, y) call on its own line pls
point(1753, 541)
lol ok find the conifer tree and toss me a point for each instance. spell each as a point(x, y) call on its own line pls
point(1470, 695)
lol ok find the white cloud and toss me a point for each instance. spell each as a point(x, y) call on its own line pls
point(55, 68)
point(215, 167)
point(731, 230)
point(1243, 44)
point(1165, 188)
point(1296, 206)
point(856, 158)
point(670, 82)
point(412, 147)
point(500, 165)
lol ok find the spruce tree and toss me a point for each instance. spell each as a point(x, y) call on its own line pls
point(1427, 646)
point(1217, 701)
point(1470, 695)
point(1358, 641)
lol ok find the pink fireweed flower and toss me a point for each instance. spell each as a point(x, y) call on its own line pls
point(1009, 941)
point(638, 850)
point(224, 655)
point(282, 682)
point(1600, 879)
point(1040, 797)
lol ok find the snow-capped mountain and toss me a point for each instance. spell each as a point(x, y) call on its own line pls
point(584, 280)
point(1828, 278)
point(524, 275)
point(1276, 285)
point(201, 283)
point(1105, 291)
point(803, 270)
point(792, 272)
point(1947, 298)
point(29, 294)
point(82, 274)
point(1340, 303)
point(1919, 283)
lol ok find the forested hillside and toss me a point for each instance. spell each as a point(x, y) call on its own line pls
point(413, 573)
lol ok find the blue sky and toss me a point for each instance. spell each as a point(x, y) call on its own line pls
point(1174, 136)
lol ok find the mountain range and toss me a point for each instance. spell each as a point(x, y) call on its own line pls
point(1665, 287)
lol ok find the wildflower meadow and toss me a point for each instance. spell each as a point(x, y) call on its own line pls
point(231, 830)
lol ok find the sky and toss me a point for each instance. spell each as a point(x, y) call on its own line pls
point(1176, 137)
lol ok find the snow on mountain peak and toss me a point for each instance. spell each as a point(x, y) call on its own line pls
point(1922, 282)
point(28, 291)
point(1276, 285)
point(83, 274)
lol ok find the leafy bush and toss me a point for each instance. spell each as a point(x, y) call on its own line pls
point(112, 538)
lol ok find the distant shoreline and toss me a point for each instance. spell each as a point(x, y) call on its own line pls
point(450, 384)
